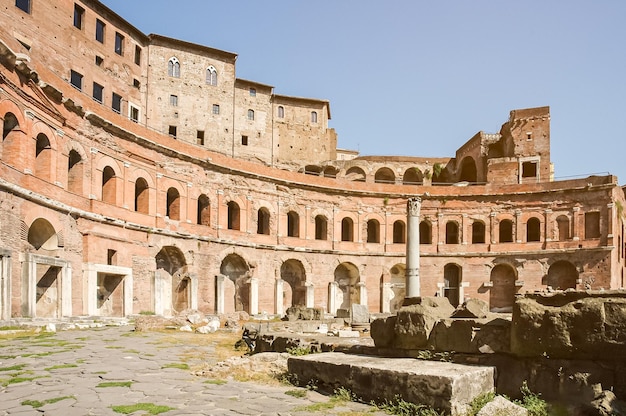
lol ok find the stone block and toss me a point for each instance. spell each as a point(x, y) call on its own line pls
point(444, 386)
point(500, 406)
point(347, 333)
point(382, 331)
point(360, 314)
point(414, 323)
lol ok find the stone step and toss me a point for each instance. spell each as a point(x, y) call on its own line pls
point(444, 386)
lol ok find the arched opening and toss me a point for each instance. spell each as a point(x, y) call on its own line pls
point(503, 289)
point(468, 170)
point(384, 175)
point(294, 293)
point(173, 204)
point(562, 223)
point(452, 283)
point(533, 230)
point(41, 235)
point(10, 123)
point(237, 286)
point(172, 270)
point(505, 231)
point(109, 186)
point(425, 233)
point(75, 173)
point(373, 231)
point(452, 232)
point(233, 216)
point(347, 229)
point(293, 224)
point(142, 196)
point(399, 232)
point(263, 221)
point(355, 174)
point(478, 232)
point(346, 278)
point(204, 210)
point(321, 227)
point(43, 157)
point(330, 172)
point(413, 176)
point(562, 275)
point(397, 286)
point(312, 170)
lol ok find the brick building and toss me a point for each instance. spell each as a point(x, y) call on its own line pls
point(138, 173)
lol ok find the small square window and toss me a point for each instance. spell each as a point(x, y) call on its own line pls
point(244, 140)
point(137, 55)
point(216, 109)
point(252, 92)
point(112, 257)
point(119, 44)
point(172, 131)
point(136, 83)
point(79, 16)
point(200, 138)
point(174, 100)
point(99, 60)
point(134, 114)
point(98, 91)
point(23, 5)
point(100, 30)
point(116, 103)
point(529, 170)
point(76, 80)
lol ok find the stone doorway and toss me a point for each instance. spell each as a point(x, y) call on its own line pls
point(48, 299)
point(108, 290)
point(235, 291)
point(294, 292)
point(347, 290)
point(174, 287)
point(562, 275)
point(110, 295)
point(503, 289)
point(46, 286)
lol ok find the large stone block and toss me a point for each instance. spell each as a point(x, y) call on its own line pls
point(444, 386)
point(414, 323)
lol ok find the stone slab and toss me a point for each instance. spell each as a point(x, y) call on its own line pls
point(447, 387)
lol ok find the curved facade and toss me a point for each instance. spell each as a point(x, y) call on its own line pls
point(139, 174)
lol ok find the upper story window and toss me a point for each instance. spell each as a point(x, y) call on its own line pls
point(252, 92)
point(119, 43)
point(98, 91)
point(313, 116)
point(116, 103)
point(173, 67)
point(281, 111)
point(100, 30)
point(211, 75)
point(250, 114)
point(76, 79)
point(137, 55)
point(174, 100)
point(216, 108)
point(79, 16)
point(23, 5)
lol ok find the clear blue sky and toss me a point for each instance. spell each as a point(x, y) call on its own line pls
point(420, 78)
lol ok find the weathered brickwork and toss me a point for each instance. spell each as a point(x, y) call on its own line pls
point(104, 211)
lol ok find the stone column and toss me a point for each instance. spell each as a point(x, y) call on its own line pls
point(310, 293)
point(254, 296)
point(66, 291)
point(413, 248)
point(362, 293)
point(278, 298)
point(219, 293)
point(332, 297)
point(5, 284)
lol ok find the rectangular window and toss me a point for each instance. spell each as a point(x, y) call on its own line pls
point(529, 169)
point(216, 109)
point(244, 140)
point(23, 5)
point(76, 80)
point(98, 92)
point(100, 30)
point(111, 257)
point(136, 83)
point(174, 100)
point(200, 137)
point(79, 15)
point(116, 103)
point(172, 131)
point(134, 114)
point(137, 55)
point(99, 60)
point(592, 224)
point(252, 92)
point(119, 44)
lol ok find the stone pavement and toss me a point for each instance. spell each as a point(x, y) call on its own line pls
point(65, 372)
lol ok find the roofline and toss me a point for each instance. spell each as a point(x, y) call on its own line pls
point(247, 81)
point(160, 39)
point(97, 4)
point(312, 100)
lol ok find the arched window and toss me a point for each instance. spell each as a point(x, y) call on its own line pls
point(211, 76)
point(347, 229)
point(355, 174)
point(173, 204)
point(478, 232)
point(452, 283)
point(281, 111)
point(142, 199)
point(399, 232)
point(204, 210)
point(452, 232)
point(373, 231)
point(75, 173)
point(563, 225)
point(384, 175)
point(233, 216)
point(10, 123)
point(43, 157)
point(413, 176)
point(263, 221)
point(321, 228)
point(108, 185)
point(293, 224)
point(313, 116)
point(506, 231)
point(250, 114)
point(173, 67)
point(425, 233)
point(533, 230)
